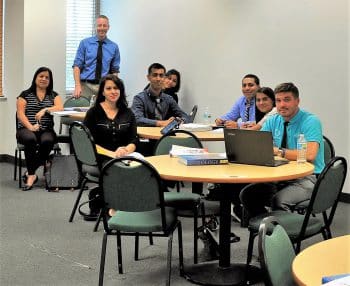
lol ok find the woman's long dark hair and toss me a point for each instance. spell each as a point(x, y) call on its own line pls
point(122, 103)
point(176, 88)
point(269, 92)
point(49, 89)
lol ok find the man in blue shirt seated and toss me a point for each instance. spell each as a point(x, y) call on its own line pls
point(153, 107)
point(244, 107)
point(286, 195)
point(96, 57)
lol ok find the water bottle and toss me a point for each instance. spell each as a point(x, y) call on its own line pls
point(301, 147)
point(206, 115)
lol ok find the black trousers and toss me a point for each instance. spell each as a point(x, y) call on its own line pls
point(37, 147)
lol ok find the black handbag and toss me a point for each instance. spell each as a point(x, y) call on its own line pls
point(62, 173)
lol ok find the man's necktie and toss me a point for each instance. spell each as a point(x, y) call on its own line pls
point(284, 138)
point(246, 112)
point(98, 71)
point(158, 110)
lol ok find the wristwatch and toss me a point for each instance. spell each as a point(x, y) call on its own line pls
point(281, 152)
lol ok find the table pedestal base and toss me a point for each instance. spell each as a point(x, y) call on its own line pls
point(209, 273)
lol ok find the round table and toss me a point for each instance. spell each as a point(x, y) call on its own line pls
point(327, 258)
point(154, 133)
point(224, 273)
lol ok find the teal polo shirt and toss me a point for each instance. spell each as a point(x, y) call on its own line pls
point(303, 122)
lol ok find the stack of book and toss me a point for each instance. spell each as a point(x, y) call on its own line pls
point(177, 150)
point(203, 159)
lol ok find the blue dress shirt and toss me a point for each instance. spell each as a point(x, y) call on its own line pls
point(85, 57)
point(238, 110)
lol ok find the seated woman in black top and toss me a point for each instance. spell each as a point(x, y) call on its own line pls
point(110, 121)
point(35, 123)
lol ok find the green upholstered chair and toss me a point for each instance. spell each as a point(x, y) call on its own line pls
point(86, 156)
point(139, 206)
point(329, 154)
point(72, 102)
point(187, 204)
point(329, 151)
point(319, 213)
point(276, 253)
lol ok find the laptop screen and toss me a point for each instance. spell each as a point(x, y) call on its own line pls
point(249, 147)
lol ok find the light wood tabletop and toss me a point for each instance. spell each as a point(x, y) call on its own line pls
point(326, 258)
point(225, 272)
point(171, 169)
point(154, 133)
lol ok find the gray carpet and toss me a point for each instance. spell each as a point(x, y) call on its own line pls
point(38, 246)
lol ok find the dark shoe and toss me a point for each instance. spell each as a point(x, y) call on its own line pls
point(25, 177)
point(213, 223)
point(91, 217)
point(28, 188)
point(214, 192)
point(234, 238)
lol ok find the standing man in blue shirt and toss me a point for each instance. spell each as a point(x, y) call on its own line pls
point(96, 57)
point(244, 107)
point(287, 195)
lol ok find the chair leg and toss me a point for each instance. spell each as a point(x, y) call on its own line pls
point(136, 254)
point(103, 259)
point(19, 169)
point(178, 187)
point(150, 238)
point(119, 249)
point(195, 233)
point(297, 247)
point(15, 169)
point(250, 247)
point(181, 256)
point(169, 257)
point(77, 200)
point(98, 220)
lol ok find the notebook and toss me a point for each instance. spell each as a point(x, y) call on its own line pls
point(250, 147)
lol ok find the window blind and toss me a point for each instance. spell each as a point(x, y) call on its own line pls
point(80, 24)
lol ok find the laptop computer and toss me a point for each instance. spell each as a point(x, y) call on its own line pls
point(250, 147)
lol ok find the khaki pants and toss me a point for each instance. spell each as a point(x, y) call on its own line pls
point(88, 89)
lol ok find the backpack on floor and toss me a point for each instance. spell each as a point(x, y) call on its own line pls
point(63, 173)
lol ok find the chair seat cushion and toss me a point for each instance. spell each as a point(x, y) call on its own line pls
point(149, 221)
point(292, 223)
point(181, 200)
point(92, 173)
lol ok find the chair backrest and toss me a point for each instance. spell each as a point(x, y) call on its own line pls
point(276, 253)
point(193, 113)
point(131, 185)
point(176, 137)
point(83, 145)
point(329, 151)
point(72, 101)
point(327, 191)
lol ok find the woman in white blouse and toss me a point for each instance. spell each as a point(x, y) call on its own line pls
point(264, 107)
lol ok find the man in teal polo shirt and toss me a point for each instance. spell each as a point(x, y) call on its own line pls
point(286, 195)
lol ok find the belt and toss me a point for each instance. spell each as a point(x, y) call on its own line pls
point(92, 81)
